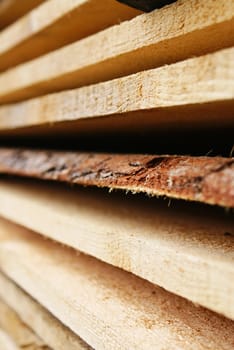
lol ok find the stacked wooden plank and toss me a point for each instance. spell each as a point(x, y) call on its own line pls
point(87, 260)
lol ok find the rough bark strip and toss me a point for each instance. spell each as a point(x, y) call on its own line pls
point(204, 179)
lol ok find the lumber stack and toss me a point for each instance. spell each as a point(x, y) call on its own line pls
point(108, 238)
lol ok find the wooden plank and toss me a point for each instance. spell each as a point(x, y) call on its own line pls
point(21, 334)
point(6, 342)
point(186, 250)
point(184, 29)
point(45, 325)
point(11, 10)
point(57, 23)
point(205, 179)
point(107, 307)
point(151, 98)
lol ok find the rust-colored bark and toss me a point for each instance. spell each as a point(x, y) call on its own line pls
point(204, 179)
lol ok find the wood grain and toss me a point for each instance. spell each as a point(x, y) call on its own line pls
point(21, 334)
point(177, 32)
point(186, 250)
point(107, 307)
point(6, 342)
point(34, 316)
point(11, 10)
point(205, 179)
point(175, 95)
point(57, 23)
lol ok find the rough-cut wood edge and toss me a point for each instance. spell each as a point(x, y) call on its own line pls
point(175, 247)
point(179, 31)
point(35, 316)
point(149, 96)
point(21, 334)
point(57, 23)
point(108, 307)
point(205, 179)
point(11, 10)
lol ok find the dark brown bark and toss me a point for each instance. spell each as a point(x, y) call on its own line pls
point(146, 5)
point(204, 179)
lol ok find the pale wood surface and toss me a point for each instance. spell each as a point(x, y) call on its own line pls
point(36, 317)
point(57, 23)
point(147, 96)
point(187, 250)
point(52, 331)
point(11, 10)
point(21, 334)
point(181, 30)
point(109, 308)
point(6, 343)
